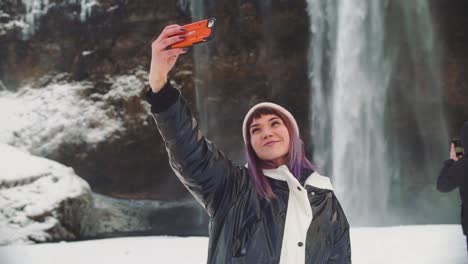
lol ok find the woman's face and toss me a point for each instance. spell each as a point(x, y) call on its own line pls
point(269, 137)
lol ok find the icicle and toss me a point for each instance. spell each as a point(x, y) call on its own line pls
point(86, 8)
point(35, 9)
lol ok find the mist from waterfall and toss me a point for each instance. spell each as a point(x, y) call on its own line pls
point(354, 55)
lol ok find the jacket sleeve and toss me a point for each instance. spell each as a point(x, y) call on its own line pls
point(200, 166)
point(341, 248)
point(341, 251)
point(452, 174)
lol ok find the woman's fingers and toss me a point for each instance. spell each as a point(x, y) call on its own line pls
point(174, 52)
point(163, 60)
point(165, 28)
point(164, 43)
point(169, 31)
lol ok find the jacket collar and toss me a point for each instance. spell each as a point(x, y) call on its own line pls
point(319, 181)
point(312, 178)
point(281, 173)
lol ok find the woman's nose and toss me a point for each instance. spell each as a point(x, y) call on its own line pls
point(267, 133)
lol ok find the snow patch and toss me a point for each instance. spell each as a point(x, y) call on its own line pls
point(125, 86)
point(31, 189)
point(87, 52)
point(4, 15)
point(41, 120)
point(12, 24)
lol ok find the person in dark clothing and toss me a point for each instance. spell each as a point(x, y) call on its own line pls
point(454, 174)
point(276, 208)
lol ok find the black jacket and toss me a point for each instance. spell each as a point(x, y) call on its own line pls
point(455, 174)
point(244, 228)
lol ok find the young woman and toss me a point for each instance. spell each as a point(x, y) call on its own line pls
point(276, 208)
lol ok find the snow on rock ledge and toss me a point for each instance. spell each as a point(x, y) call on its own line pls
point(40, 120)
point(40, 200)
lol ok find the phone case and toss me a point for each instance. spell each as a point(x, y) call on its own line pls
point(197, 32)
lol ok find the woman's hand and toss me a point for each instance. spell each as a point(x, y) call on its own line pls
point(163, 60)
point(453, 155)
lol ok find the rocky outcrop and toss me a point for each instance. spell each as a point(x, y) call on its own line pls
point(40, 200)
point(44, 201)
point(123, 217)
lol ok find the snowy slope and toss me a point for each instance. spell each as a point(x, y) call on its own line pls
point(432, 244)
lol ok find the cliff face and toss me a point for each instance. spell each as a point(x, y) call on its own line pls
point(113, 40)
point(452, 23)
point(258, 51)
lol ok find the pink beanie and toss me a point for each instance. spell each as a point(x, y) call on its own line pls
point(268, 105)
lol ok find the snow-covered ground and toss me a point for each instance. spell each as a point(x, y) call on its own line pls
point(430, 244)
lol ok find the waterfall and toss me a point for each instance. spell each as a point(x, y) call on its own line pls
point(86, 8)
point(201, 65)
point(197, 13)
point(354, 54)
point(34, 9)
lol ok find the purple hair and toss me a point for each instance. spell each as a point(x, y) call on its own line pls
point(296, 159)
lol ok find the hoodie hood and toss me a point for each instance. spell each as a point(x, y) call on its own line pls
point(464, 136)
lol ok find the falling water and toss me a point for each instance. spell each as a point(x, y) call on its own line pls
point(207, 108)
point(201, 61)
point(352, 62)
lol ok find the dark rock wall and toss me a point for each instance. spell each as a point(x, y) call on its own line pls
point(452, 23)
point(117, 37)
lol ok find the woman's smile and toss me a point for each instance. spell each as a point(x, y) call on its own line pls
point(270, 143)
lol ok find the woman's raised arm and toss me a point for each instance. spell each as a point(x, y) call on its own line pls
point(162, 60)
point(200, 166)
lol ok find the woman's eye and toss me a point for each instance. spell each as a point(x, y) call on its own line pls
point(255, 130)
point(275, 123)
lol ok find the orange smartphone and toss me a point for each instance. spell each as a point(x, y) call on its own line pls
point(197, 32)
